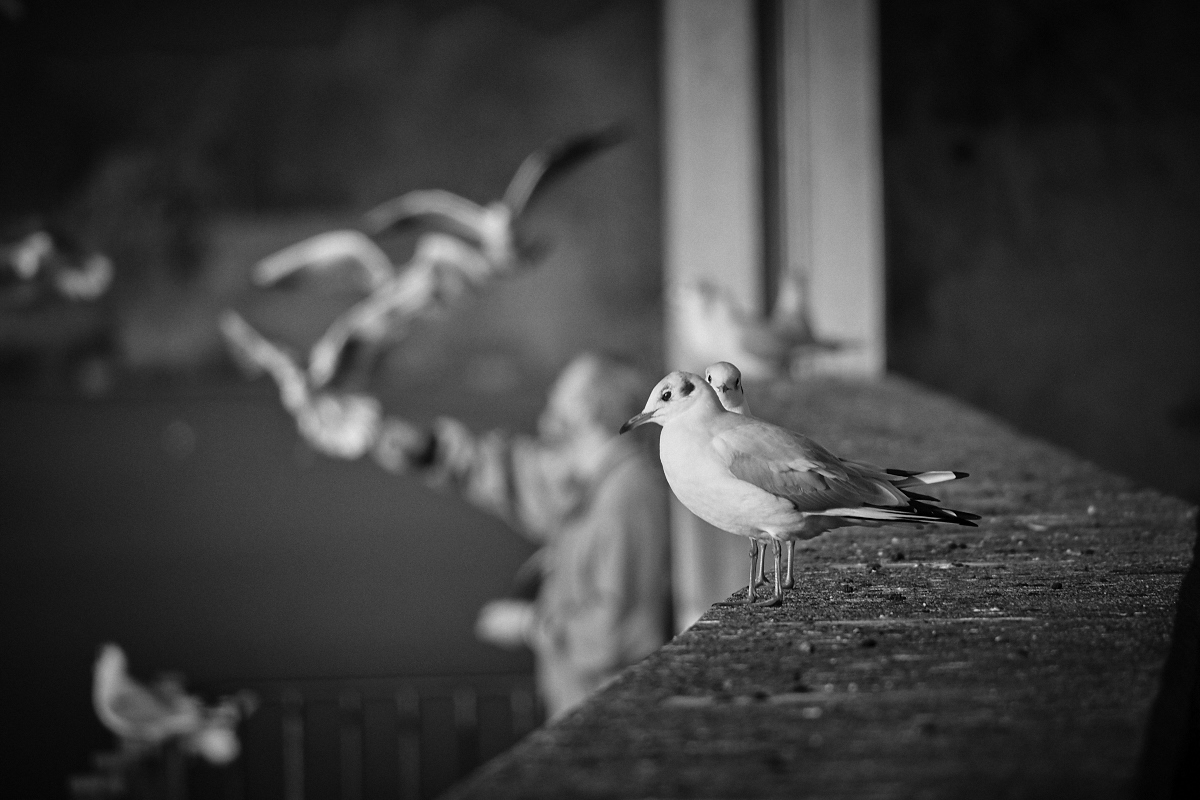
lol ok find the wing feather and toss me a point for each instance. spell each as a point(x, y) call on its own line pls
point(547, 163)
point(792, 466)
point(437, 206)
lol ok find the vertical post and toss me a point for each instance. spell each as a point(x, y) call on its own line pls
point(523, 707)
point(832, 175)
point(466, 729)
point(293, 745)
point(772, 161)
point(351, 743)
point(713, 225)
point(408, 742)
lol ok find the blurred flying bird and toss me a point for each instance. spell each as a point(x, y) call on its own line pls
point(144, 717)
point(442, 268)
point(496, 229)
point(328, 251)
point(341, 424)
point(40, 258)
point(758, 480)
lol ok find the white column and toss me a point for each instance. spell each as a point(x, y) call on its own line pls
point(831, 200)
point(712, 226)
point(832, 174)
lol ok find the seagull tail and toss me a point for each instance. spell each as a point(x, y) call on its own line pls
point(903, 478)
point(916, 511)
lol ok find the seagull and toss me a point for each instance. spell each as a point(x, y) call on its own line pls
point(758, 480)
point(726, 380)
point(135, 712)
point(712, 323)
point(442, 268)
point(496, 228)
point(74, 274)
point(147, 716)
point(340, 424)
point(325, 252)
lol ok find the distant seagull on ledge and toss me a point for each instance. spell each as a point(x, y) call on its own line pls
point(758, 480)
point(713, 326)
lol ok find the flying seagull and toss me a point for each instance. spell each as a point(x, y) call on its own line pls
point(145, 717)
point(496, 228)
point(442, 268)
point(341, 424)
point(73, 273)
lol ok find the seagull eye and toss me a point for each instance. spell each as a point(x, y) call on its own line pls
point(666, 395)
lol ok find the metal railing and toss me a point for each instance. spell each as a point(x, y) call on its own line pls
point(360, 739)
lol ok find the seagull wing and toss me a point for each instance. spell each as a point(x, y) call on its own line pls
point(257, 353)
point(553, 160)
point(324, 252)
point(131, 710)
point(792, 466)
point(444, 209)
point(441, 269)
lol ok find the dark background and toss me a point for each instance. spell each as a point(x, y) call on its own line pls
point(1040, 168)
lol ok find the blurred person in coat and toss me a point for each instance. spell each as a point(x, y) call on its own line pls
point(597, 504)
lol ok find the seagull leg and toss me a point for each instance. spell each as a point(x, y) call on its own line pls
point(754, 550)
point(777, 597)
point(789, 580)
point(760, 575)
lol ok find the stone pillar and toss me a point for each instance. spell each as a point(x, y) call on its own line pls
point(826, 202)
point(713, 226)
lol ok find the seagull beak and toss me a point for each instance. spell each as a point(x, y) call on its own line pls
point(637, 419)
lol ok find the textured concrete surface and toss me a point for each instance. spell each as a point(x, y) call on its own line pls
point(1017, 659)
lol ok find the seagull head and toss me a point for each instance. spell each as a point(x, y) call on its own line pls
point(726, 381)
point(674, 395)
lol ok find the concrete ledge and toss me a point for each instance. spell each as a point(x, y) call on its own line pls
point(1021, 658)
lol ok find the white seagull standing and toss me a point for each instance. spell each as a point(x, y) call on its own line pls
point(495, 228)
point(726, 380)
point(769, 484)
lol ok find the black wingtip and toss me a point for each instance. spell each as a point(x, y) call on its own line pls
point(959, 475)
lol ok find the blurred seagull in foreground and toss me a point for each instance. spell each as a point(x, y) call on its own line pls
point(496, 228)
point(769, 484)
point(144, 717)
point(341, 424)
